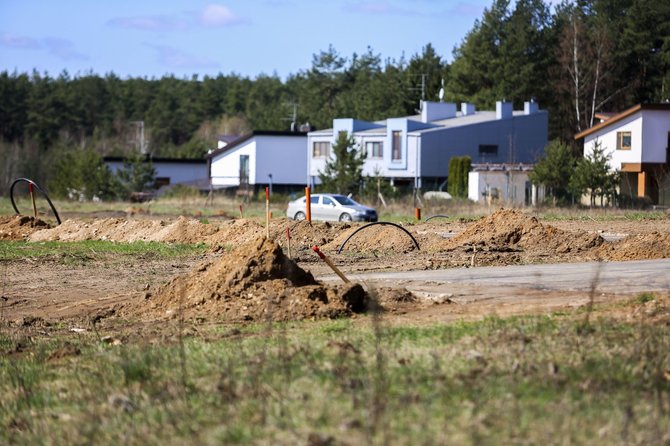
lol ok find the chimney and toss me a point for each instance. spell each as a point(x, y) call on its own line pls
point(434, 111)
point(530, 107)
point(504, 110)
point(467, 109)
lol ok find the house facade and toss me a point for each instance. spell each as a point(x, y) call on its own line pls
point(637, 142)
point(169, 171)
point(504, 183)
point(414, 151)
point(271, 158)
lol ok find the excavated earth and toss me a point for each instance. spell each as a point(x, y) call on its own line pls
point(20, 227)
point(246, 277)
point(253, 282)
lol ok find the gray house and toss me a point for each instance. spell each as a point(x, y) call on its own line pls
point(414, 151)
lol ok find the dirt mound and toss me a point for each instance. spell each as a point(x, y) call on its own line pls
point(304, 234)
point(234, 232)
point(638, 247)
point(184, 230)
point(20, 227)
point(511, 229)
point(378, 238)
point(254, 282)
point(181, 230)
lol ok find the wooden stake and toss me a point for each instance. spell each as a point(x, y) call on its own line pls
point(241, 213)
point(308, 204)
point(288, 241)
point(330, 263)
point(417, 213)
point(267, 212)
point(32, 197)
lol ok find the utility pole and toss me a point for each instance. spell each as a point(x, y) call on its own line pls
point(142, 141)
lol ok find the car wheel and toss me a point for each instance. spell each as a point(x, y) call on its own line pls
point(299, 216)
point(345, 217)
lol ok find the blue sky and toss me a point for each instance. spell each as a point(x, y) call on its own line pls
point(249, 37)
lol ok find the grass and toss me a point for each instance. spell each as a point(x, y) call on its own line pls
point(94, 249)
point(400, 211)
point(499, 381)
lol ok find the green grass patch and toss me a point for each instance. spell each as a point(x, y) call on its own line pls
point(497, 381)
point(93, 249)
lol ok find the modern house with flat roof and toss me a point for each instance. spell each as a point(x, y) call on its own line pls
point(414, 151)
point(637, 142)
point(273, 158)
point(169, 171)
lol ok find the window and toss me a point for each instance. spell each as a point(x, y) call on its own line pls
point(320, 149)
point(623, 140)
point(314, 200)
point(244, 169)
point(374, 150)
point(327, 202)
point(488, 150)
point(396, 145)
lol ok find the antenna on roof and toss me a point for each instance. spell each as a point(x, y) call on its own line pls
point(292, 116)
point(422, 87)
point(440, 95)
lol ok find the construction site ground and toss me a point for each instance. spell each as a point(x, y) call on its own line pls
point(241, 277)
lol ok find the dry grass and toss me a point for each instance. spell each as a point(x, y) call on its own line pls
point(521, 380)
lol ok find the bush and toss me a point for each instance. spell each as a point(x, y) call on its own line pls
point(81, 174)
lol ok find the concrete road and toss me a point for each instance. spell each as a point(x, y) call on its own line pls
point(555, 284)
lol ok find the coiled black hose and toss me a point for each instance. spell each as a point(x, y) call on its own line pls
point(29, 181)
point(379, 223)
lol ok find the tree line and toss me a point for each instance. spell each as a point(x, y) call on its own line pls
point(581, 58)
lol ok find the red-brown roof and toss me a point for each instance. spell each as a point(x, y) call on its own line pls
point(620, 116)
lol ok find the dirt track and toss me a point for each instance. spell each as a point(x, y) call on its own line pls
point(50, 290)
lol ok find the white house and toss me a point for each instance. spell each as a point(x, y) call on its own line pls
point(169, 170)
point(503, 183)
point(260, 158)
point(637, 141)
point(415, 150)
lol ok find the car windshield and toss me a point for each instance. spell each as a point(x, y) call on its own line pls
point(344, 201)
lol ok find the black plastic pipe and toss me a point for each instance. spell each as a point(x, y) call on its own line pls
point(29, 181)
point(379, 223)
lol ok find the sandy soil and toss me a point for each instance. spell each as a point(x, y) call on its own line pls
point(244, 278)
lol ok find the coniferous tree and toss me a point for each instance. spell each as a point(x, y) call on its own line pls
point(343, 172)
point(554, 170)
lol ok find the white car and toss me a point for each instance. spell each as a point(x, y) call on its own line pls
point(331, 207)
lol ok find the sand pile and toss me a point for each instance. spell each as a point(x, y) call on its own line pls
point(20, 227)
point(255, 282)
point(378, 238)
point(655, 245)
point(232, 233)
point(304, 234)
point(182, 230)
point(510, 229)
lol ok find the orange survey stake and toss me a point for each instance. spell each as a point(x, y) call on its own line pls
point(330, 263)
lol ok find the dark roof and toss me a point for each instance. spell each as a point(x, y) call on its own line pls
point(624, 114)
point(249, 136)
point(111, 159)
point(228, 138)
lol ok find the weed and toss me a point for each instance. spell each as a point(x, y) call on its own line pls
point(643, 298)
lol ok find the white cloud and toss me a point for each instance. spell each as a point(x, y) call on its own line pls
point(219, 15)
point(150, 23)
point(14, 41)
point(63, 49)
point(175, 58)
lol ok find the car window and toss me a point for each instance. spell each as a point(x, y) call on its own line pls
point(327, 201)
point(344, 201)
point(314, 200)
